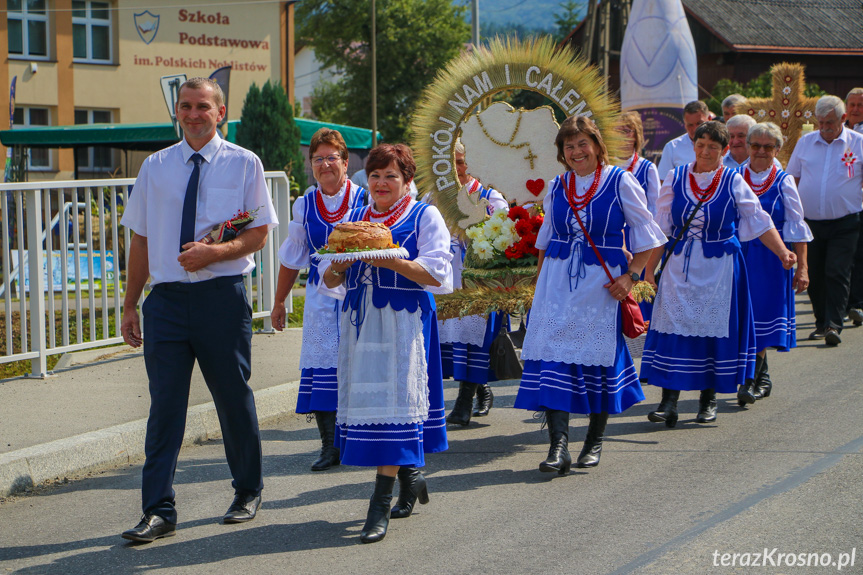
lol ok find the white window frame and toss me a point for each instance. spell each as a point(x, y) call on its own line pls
point(88, 21)
point(25, 17)
point(25, 113)
point(90, 166)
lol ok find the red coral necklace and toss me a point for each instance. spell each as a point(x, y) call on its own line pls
point(706, 193)
point(333, 217)
point(765, 185)
point(392, 215)
point(577, 202)
point(634, 161)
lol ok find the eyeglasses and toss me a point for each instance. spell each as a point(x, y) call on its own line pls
point(318, 160)
point(767, 148)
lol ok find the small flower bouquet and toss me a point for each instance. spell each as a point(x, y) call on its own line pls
point(226, 231)
point(504, 240)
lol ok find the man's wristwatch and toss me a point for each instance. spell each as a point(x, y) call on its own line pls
point(633, 276)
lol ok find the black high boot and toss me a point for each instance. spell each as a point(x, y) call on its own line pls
point(558, 458)
point(329, 452)
point(589, 456)
point(706, 406)
point(762, 380)
point(749, 392)
point(463, 404)
point(667, 409)
point(378, 517)
point(412, 486)
point(484, 400)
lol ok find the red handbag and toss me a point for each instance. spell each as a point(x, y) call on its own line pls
point(630, 313)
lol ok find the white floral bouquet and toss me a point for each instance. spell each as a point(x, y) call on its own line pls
point(504, 240)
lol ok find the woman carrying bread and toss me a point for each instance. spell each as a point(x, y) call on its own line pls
point(391, 408)
point(314, 216)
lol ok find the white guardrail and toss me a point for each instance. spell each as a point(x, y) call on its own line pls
point(75, 225)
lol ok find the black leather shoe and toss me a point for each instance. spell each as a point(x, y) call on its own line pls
point(244, 508)
point(666, 412)
point(329, 452)
point(150, 528)
point(558, 459)
point(378, 518)
point(746, 393)
point(706, 406)
point(855, 314)
point(463, 407)
point(831, 337)
point(484, 400)
point(412, 487)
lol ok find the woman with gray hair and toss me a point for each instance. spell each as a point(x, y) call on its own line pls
point(771, 287)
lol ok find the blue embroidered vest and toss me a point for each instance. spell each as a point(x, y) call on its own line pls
point(318, 229)
point(771, 200)
point(719, 214)
point(603, 219)
point(388, 287)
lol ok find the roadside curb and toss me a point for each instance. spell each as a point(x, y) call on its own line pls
point(123, 444)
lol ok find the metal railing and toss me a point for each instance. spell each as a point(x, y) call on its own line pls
point(62, 249)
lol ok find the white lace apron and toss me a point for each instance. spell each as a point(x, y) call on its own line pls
point(382, 373)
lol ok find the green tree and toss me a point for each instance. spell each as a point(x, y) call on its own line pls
point(759, 87)
point(572, 11)
point(268, 129)
point(415, 38)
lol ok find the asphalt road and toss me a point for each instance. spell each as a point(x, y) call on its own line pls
point(783, 476)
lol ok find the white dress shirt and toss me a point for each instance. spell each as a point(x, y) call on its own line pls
point(231, 180)
point(677, 152)
point(827, 191)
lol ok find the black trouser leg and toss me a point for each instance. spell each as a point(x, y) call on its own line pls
point(833, 250)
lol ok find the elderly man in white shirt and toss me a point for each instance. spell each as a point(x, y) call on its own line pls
point(854, 109)
point(738, 152)
point(680, 150)
point(827, 167)
point(729, 106)
point(197, 309)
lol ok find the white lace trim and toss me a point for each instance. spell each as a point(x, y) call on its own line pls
point(468, 330)
point(445, 281)
point(320, 338)
point(383, 373)
point(575, 327)
point(696, 305)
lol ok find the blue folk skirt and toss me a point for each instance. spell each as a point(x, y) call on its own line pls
point(407, 444)
point(319, 390)
point(772, 294)
point(694, 363)
point(468, 362)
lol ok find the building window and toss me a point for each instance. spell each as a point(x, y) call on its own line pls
point(91, 31)
point(27, 28)
point(98, 158)
point(39, 158)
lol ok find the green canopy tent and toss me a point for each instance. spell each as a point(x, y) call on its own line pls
point(149, 137)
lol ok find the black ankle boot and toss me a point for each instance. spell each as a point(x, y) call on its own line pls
point(762, 380)
point(558, 458)
point(484, 400)
point(461, 411)
point(412, 486)
point(667, 409)
point(329, 452)
point(748, 392)
point(378, 517)
point(706, 406)
point(589, 456)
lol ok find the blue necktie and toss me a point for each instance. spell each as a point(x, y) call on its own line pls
point(187, 224)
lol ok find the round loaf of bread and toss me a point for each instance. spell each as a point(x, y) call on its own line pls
point(360, 235)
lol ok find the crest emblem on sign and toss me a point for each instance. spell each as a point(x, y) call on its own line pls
point(147, 25)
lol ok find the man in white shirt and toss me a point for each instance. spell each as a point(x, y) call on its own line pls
point(854, 109)
point(827, 167)
point(729, 106)
point(680, 150)
point(197, 308)
point(738, 152)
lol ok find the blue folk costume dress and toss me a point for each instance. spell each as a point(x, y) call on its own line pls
point(702, 334)
point(391, 406)
point(647, 175)
point(771, 285)
point(465, 341)
point(307, 233)
point(575, 357)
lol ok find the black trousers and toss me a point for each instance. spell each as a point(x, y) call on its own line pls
point(855, 297)
point(210, 322)
point(831, 259)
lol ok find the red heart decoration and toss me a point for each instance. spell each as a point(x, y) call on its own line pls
point(535, 186)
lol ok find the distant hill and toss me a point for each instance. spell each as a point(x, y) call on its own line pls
point(495, 15)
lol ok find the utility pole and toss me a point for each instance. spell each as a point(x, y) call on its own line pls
point(374, 81)
point(474, 23)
